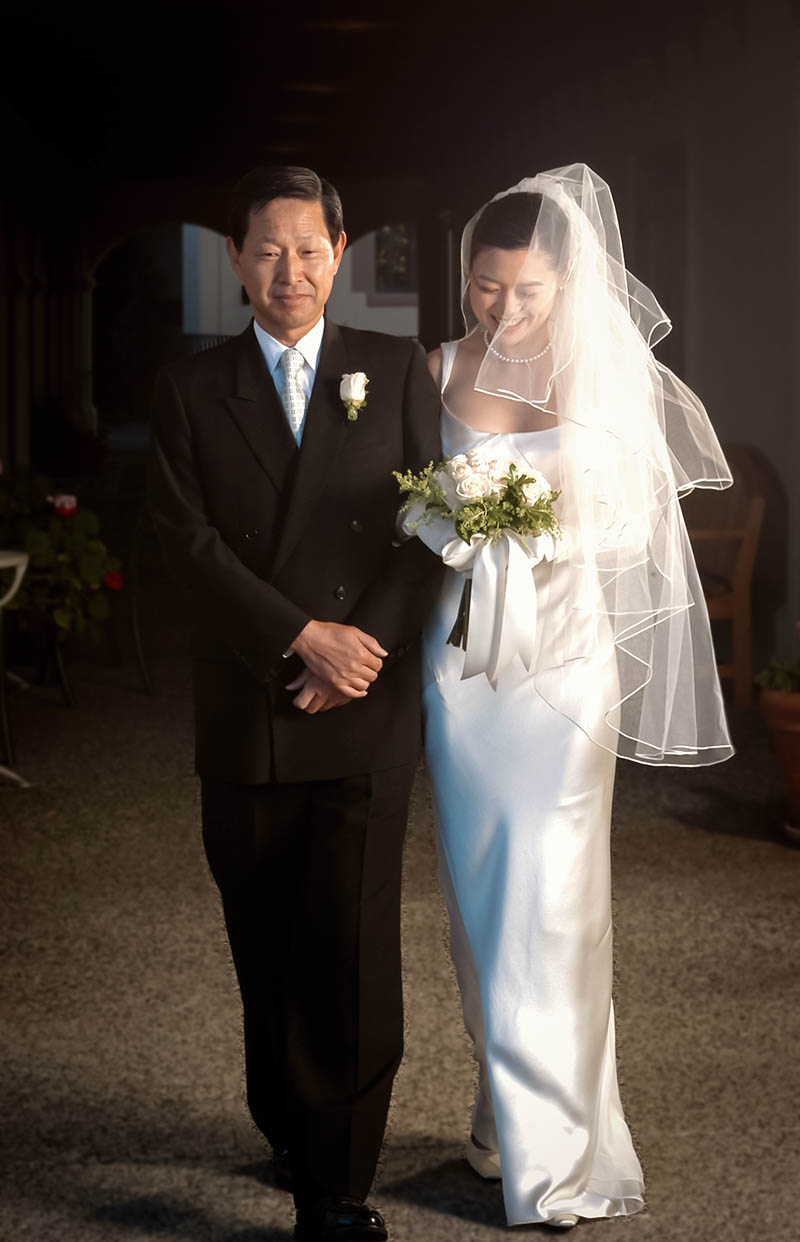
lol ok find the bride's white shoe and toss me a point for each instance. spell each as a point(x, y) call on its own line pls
point(486, 1163)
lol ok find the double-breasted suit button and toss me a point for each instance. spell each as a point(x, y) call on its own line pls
point(356, 526)
point(250, 534)
point(340, 592)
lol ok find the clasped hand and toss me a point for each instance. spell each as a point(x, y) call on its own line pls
point(341, 662)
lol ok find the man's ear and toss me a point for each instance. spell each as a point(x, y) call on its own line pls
point(338, 250)
point(233, 255)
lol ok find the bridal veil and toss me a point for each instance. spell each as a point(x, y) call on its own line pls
point(633, 439)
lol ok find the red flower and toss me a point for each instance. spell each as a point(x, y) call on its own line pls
point(113, 580)
point(65, 506)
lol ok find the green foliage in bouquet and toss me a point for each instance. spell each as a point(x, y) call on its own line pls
point(71, 571)
point(508, 508)
point(424, 487)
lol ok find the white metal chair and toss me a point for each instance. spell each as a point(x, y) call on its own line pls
point(10, 558)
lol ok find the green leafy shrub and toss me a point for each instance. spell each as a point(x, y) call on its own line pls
point(71, 571)
point(781, 674)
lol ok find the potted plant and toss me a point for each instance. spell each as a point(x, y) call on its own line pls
point(71, 571)
point(780, 703)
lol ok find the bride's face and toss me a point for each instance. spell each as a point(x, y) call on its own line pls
point(515, 290)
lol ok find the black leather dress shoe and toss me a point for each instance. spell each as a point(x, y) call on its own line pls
point(340, 1220)
point(281, 1168)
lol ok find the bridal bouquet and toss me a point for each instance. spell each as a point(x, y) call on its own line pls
point(492, 520)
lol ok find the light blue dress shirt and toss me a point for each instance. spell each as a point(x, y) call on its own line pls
point(309, 346)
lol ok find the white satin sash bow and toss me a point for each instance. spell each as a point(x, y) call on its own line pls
point(502, 611)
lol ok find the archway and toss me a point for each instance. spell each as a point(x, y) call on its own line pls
point(165, 291)
point(377, 286)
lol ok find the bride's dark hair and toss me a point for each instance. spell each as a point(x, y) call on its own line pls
point(507, 223)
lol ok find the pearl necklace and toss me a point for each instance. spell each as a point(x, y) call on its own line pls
point(503, 358)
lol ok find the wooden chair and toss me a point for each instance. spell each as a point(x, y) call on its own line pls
point(724, 528)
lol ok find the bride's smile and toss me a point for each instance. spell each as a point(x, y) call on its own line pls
point(512, 292)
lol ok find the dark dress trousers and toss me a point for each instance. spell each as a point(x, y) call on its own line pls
point(303, 815)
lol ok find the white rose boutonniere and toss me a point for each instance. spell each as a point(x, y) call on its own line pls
point(353, 392)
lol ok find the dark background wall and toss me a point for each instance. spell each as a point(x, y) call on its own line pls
point(118, 130)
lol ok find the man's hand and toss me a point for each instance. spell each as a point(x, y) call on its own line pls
point(315, 694)
point(341, 655)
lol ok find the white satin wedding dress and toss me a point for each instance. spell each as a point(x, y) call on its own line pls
point(523, 801)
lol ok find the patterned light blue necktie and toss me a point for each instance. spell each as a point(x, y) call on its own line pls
point(292, 397)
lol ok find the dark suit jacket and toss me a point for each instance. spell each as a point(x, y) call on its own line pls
point(263, 537)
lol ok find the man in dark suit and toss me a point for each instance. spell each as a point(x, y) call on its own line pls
point(276, 514)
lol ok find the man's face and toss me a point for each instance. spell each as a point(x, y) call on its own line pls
point(287, 264)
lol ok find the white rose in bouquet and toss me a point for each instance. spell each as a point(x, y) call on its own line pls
point(472, 487)
point(534, 491)
point(496, 472)
point(477, 460)
point(458, 467)
point(494, 469)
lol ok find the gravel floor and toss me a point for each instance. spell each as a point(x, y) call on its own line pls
point(122, 1099)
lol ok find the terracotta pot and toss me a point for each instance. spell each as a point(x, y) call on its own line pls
point(781, 710)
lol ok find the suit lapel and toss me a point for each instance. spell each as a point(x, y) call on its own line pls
point(323, 436)
point(257, 410)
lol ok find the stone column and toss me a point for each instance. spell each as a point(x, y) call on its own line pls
point(53, 333)
point(38, 325)
point(83, 411)
point(438, 275)
point(68, 367)
point(5, 338)
point(21, 358)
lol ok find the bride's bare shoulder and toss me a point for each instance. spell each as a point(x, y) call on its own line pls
point(435, 364)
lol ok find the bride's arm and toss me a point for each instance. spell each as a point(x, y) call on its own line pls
point(404, 529)
point(434, 361)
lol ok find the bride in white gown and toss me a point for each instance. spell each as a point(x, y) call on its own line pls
point(556, 373)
